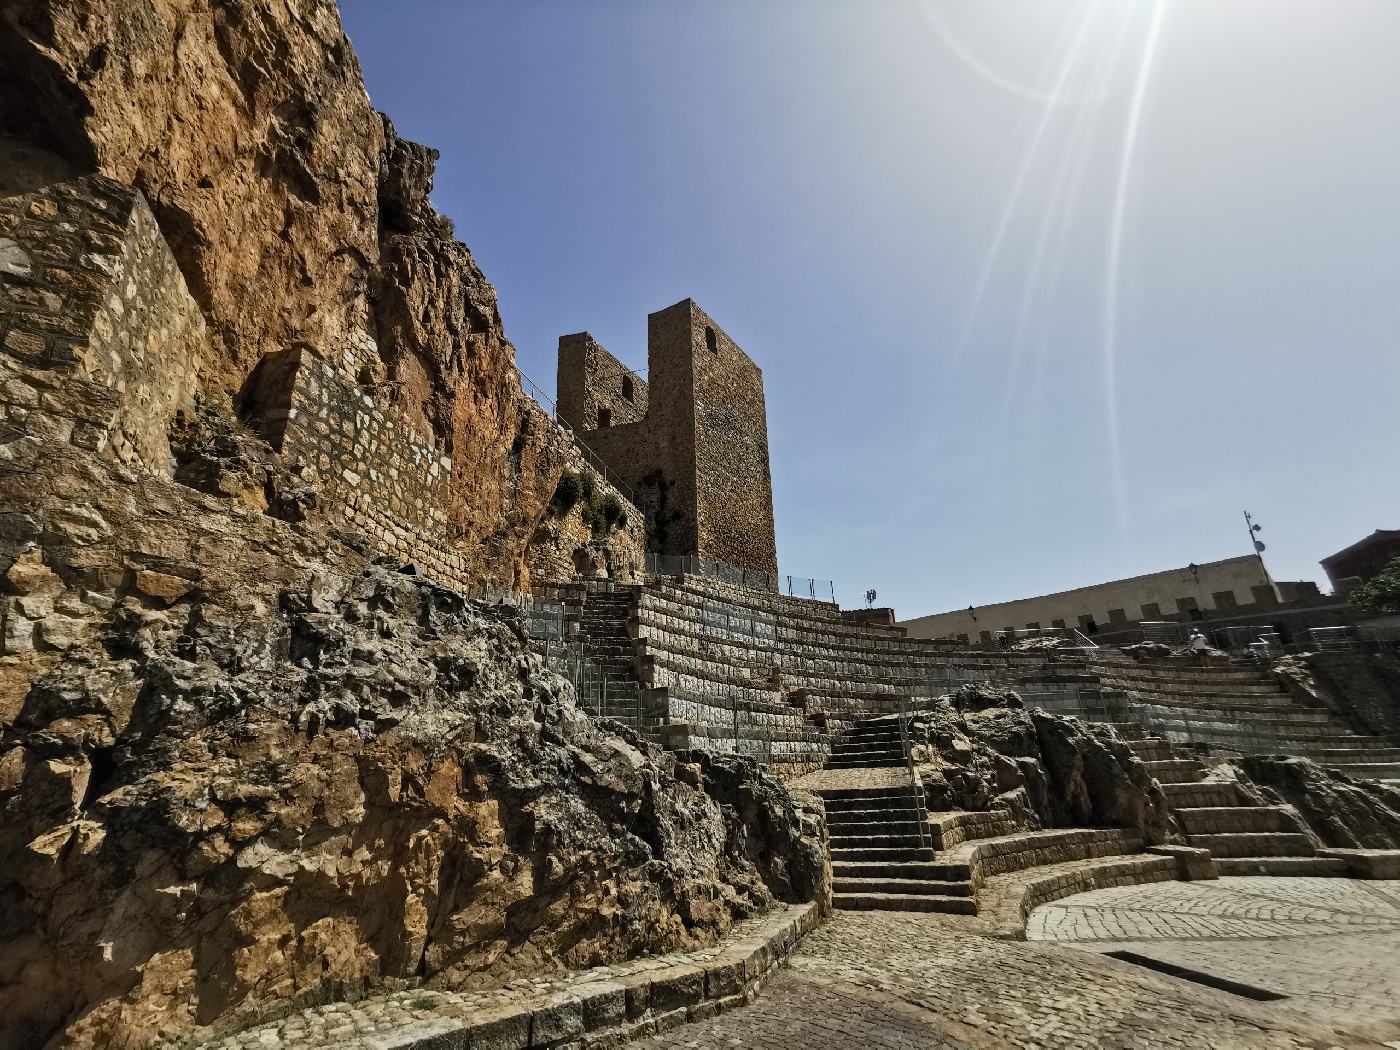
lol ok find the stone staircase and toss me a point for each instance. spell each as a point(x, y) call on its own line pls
point(882, 858)
point(609, 685)
point(881, 852)
point(1236, 709)
point(1244, 837)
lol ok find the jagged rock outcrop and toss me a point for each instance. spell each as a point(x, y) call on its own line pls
point(1341, 811)
point(298, 217)
point(212, 812)
point(1048, 770)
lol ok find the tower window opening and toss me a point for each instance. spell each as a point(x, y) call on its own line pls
point(604, 417)
point(711, 343)
point(627, 389)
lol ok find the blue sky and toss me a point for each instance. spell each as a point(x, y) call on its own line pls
point(1045, 293)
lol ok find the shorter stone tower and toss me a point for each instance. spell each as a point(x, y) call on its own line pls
point(692, 443)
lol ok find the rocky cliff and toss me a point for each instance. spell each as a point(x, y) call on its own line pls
point(246, 760)
point(264, 768)
point(298, 218)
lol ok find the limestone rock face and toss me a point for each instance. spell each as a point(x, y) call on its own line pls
point(1340, 811)
point(209, 814)
point(298, 217)
point(246, 125)
point(1048, 770)
point(243, 765)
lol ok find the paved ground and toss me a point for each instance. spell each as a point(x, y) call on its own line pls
point(900, 980)
point(1331, 945)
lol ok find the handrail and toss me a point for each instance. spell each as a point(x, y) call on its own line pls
point(915, 788)
point(538, 394)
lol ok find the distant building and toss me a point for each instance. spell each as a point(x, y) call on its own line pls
point(1362, 560)
point(1217, 589)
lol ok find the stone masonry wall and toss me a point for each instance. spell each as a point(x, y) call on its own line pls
point(372, 471)
point(698, 460)
point(733, 476)
point(87, 284)
point(597, 380)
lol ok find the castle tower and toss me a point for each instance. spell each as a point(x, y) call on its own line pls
point(692, 443)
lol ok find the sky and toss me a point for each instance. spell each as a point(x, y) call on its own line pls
point(1045, 292)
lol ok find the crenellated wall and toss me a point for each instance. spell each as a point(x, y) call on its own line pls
point(696, 454)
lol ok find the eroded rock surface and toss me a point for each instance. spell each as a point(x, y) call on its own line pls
point(979, 750)
point(1341, 811)
point(298, 217)
point(212, 813)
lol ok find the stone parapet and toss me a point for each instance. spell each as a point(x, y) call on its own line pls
point(603, 1006)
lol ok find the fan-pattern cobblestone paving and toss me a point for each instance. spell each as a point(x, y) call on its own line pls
point(1331, 945)
point(898, 980)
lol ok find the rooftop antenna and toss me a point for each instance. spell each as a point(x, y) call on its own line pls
point(870, 597)
point(1253, 529)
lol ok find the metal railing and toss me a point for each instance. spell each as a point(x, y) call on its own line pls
point(916, 789)
point(735, 576)
point(1070, 635)
point(1164, 632)
point(1325, 639)
point(594, 460)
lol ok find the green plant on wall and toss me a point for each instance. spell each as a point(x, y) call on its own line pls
point(600, 511)
point(1380, 594)
point(566, 494)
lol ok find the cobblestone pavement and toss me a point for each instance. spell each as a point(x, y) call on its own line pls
point(1331, 945)
point(898, 979)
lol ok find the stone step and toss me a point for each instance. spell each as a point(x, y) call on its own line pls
point(904, 902)
point(1215, 820)
point(1176, 770)
point(896, 854)
point(931, 887)
point(1285, 866)
point(865, 763)
point(844, 795)
point(1255, 844)
point(865, 751)
point(1152, 750)
point(1330, 755)
point(906, 814)
point(923, 870)
point(1202, 794)
point(909, 840)
point(897, 823)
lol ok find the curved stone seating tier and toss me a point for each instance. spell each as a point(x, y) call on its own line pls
point(797, 619)
point(984, 857)
point(803, 650)
point(698, 705)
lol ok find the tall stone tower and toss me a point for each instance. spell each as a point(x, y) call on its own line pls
point(692, 442)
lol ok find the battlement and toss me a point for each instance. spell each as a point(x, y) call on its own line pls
point(691, 440)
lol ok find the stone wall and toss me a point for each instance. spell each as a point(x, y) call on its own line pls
point(299, 218)
point(1183, 594)
point(88, 286)
point(593, 381)
point(697, 461)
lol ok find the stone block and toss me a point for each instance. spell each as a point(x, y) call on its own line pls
point(725, 976)
point(1367, 863)
point(1192, 863)
point(556, 1022)
point(637, 994)
point(505, 1028)
point(604, 1005)
point(677, 986)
